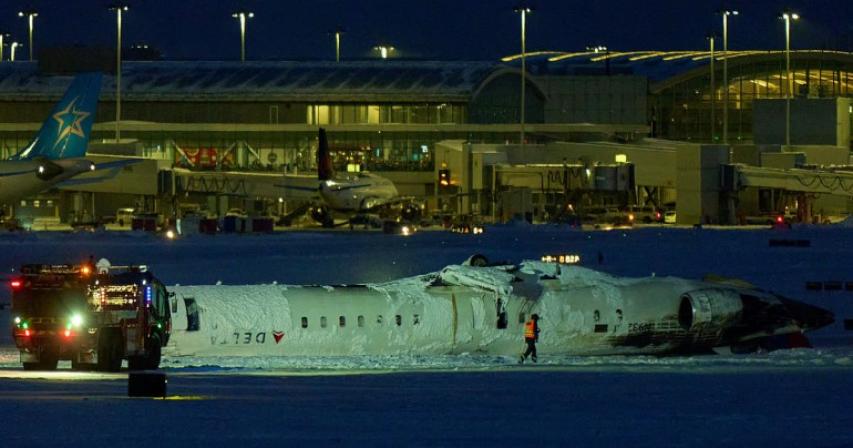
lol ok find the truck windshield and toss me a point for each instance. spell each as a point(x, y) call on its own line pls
point(116, 296)
point(49, 302)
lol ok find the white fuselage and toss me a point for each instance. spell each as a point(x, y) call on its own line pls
point(357, 193)
point(21, 178)
point(413, 316)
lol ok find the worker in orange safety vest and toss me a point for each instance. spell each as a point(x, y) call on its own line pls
point(531, 337)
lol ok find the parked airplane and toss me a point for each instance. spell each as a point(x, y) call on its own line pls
point(350, 194)
point(472, 308)
point(55, 154)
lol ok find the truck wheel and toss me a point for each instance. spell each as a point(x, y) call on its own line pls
point(32, 366)
point(136, 363)
point(82, 366)
point(110, 351)
point(154, 354)
point(49, 362)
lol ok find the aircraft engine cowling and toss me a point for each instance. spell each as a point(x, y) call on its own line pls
point(47, 170)
point(411, 212)
point(708, 312)
point(322, 215)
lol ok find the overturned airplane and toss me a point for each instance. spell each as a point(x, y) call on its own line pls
point(476, 308)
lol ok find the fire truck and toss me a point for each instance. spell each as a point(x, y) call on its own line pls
point(94, 316)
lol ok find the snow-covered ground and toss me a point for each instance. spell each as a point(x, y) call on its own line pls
point(788, 398)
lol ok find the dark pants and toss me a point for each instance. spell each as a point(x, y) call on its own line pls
point(531, 349)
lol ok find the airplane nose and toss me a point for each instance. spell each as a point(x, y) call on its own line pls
point(809, 317)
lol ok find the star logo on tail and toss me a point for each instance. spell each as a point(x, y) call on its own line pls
point(70, 121)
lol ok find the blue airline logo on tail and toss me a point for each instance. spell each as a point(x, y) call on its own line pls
point(65, 133)
point(70, 120)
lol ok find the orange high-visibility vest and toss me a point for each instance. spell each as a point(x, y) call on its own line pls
point(530, 329)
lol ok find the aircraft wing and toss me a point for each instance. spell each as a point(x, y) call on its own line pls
point(349, 187)
point(15, 173)
point(115, 164)
point(112, 169)
point(296, 187)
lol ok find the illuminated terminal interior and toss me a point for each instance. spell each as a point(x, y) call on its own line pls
point(389, 114)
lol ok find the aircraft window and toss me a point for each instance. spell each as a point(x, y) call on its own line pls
point(521, 318)
point(596, 316)
point(342, 321)
point(323, 322)
point(360, 321)
point(417, 319)
point(619, 315)
point(192, 314)
point(379, 319)
point(399, 319)
point(174, 305)
point(304, 322)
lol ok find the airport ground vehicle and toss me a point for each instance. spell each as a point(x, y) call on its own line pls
point(606, 216)
point(645, 214)
point(94, 319)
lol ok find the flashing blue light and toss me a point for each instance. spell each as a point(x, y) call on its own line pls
point(148, 294)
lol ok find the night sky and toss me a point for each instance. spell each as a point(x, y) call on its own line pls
point(426, 29)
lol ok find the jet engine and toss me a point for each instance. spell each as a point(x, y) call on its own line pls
point(707, 312)
point(411, 212)
point(47, 170)
point(322, 215)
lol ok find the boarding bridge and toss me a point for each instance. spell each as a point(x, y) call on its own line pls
point(834, 182)
point(244, 184)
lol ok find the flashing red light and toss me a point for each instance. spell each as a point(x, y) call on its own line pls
point(657, 215)
point(27, 333)
point(67, 333)
point(779, 220)
point(15, 284)
point(86, 270)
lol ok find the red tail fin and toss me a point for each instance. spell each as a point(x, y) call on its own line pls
point(324, 161)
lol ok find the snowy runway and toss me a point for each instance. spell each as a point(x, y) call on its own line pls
point(788, 398)
point(502, 408)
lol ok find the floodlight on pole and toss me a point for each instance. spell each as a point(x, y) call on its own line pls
point(788, 16)
point(241, 16)
point(3, 36)
point(31, 17)
point(120, 9)
point(713, 96)
point(13, 47)
point(338, 32)
point(725, 14)
point(523, 11)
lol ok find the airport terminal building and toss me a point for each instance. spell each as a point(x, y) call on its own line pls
point(391, 115)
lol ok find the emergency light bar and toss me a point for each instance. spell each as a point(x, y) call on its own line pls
point(55, 269)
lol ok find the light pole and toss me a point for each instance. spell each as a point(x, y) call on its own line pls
point(3, 36)
point(242, 16)
point(338, 32)
point(713, 95)
point(726, 14)
point(31, 16)
point(523, 10)
point(119, 8)
point(788, 16)
point(14, 46)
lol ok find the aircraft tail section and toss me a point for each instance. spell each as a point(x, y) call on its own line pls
point(65, 132)
point(324, 160)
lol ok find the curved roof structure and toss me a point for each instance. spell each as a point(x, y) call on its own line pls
point(269, 80)
point(660, 67)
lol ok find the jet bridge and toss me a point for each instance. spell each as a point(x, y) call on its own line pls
point(835, 182)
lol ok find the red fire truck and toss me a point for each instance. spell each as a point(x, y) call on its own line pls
point(94, 318)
